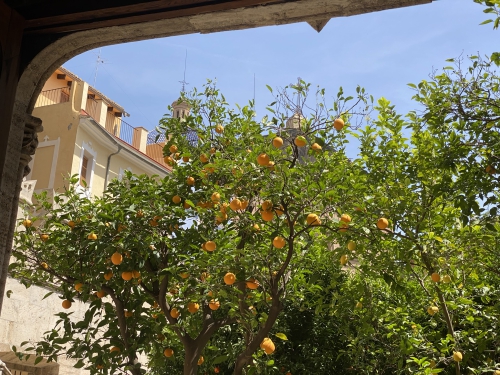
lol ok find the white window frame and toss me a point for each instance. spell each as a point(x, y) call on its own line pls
point(91, 155)
point(122, 172)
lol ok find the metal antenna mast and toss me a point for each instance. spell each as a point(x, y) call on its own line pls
point(98, 61)
point(184, 83)
point(299, 87)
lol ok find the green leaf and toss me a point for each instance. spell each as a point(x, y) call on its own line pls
point(47, 295)
point(281, 336)
point(220, 359)
point(78, 364)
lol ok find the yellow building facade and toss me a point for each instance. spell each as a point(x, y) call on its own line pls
point(84, 134)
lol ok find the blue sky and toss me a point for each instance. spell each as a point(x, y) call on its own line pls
point(380, 51)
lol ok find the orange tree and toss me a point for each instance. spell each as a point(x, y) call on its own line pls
point(162, 265)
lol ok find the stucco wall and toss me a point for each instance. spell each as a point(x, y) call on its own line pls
point(25, 317)
point(60, 122)
point(122, 160)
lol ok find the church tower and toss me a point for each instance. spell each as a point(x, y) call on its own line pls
point(180, 109)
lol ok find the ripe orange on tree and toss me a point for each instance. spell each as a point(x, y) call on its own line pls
point(244, 204)
point(92, 236)
point(313, 219)
point(168, 352)
point(382, 223)
point(193, 307)
point(343, 227)
point(300, 141)
point(279, 242)
point(267, 345)
point(229, 278)
point(215, 197)
point(490, 169)
point(201, 360)
point(435, 277)
point(278, 142)
point(174, 313)
point(252, 284)
point(176, 199)
point(101, 294)
point(431, 310)
point(27, 223)
point(267, 215)
point(343, 259)
point(210, 246)
point(127, 275)
point(204, 158)
point(263, 159)
point(316, 147)
point(235, 204)
point(338, 124)
point(190, 181)
point(214, 305)
point(173, 149)
point(345, 218)
point(66, 304)
point(108, 275)
point(267, 205)
point(116, 259)
point(219, 129)
point(457, 356)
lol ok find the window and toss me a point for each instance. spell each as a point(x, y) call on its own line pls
point(84, 170)
point(121, 174)
point(87, 164)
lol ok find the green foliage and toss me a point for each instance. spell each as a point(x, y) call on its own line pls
point(409, 296)
point(165, 265)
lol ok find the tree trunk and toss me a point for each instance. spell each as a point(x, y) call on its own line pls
point(245, 357)
point(192, 353)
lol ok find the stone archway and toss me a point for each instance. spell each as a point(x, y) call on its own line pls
point(24, 68)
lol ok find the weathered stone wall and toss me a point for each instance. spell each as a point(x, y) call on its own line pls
point(25, 317)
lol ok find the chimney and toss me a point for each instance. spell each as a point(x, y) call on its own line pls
point(140, 138)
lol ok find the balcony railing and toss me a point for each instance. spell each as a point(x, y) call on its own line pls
point(126, 132)
point(54, 96)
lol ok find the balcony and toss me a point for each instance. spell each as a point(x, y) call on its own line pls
point(54, 96)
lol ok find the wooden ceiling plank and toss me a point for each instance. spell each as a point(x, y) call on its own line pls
point(156, 5)
point(125, 20)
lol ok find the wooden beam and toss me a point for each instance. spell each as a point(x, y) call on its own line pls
point(137, 13)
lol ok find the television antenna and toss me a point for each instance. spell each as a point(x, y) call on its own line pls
point(184, 83)
point(99, 61)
